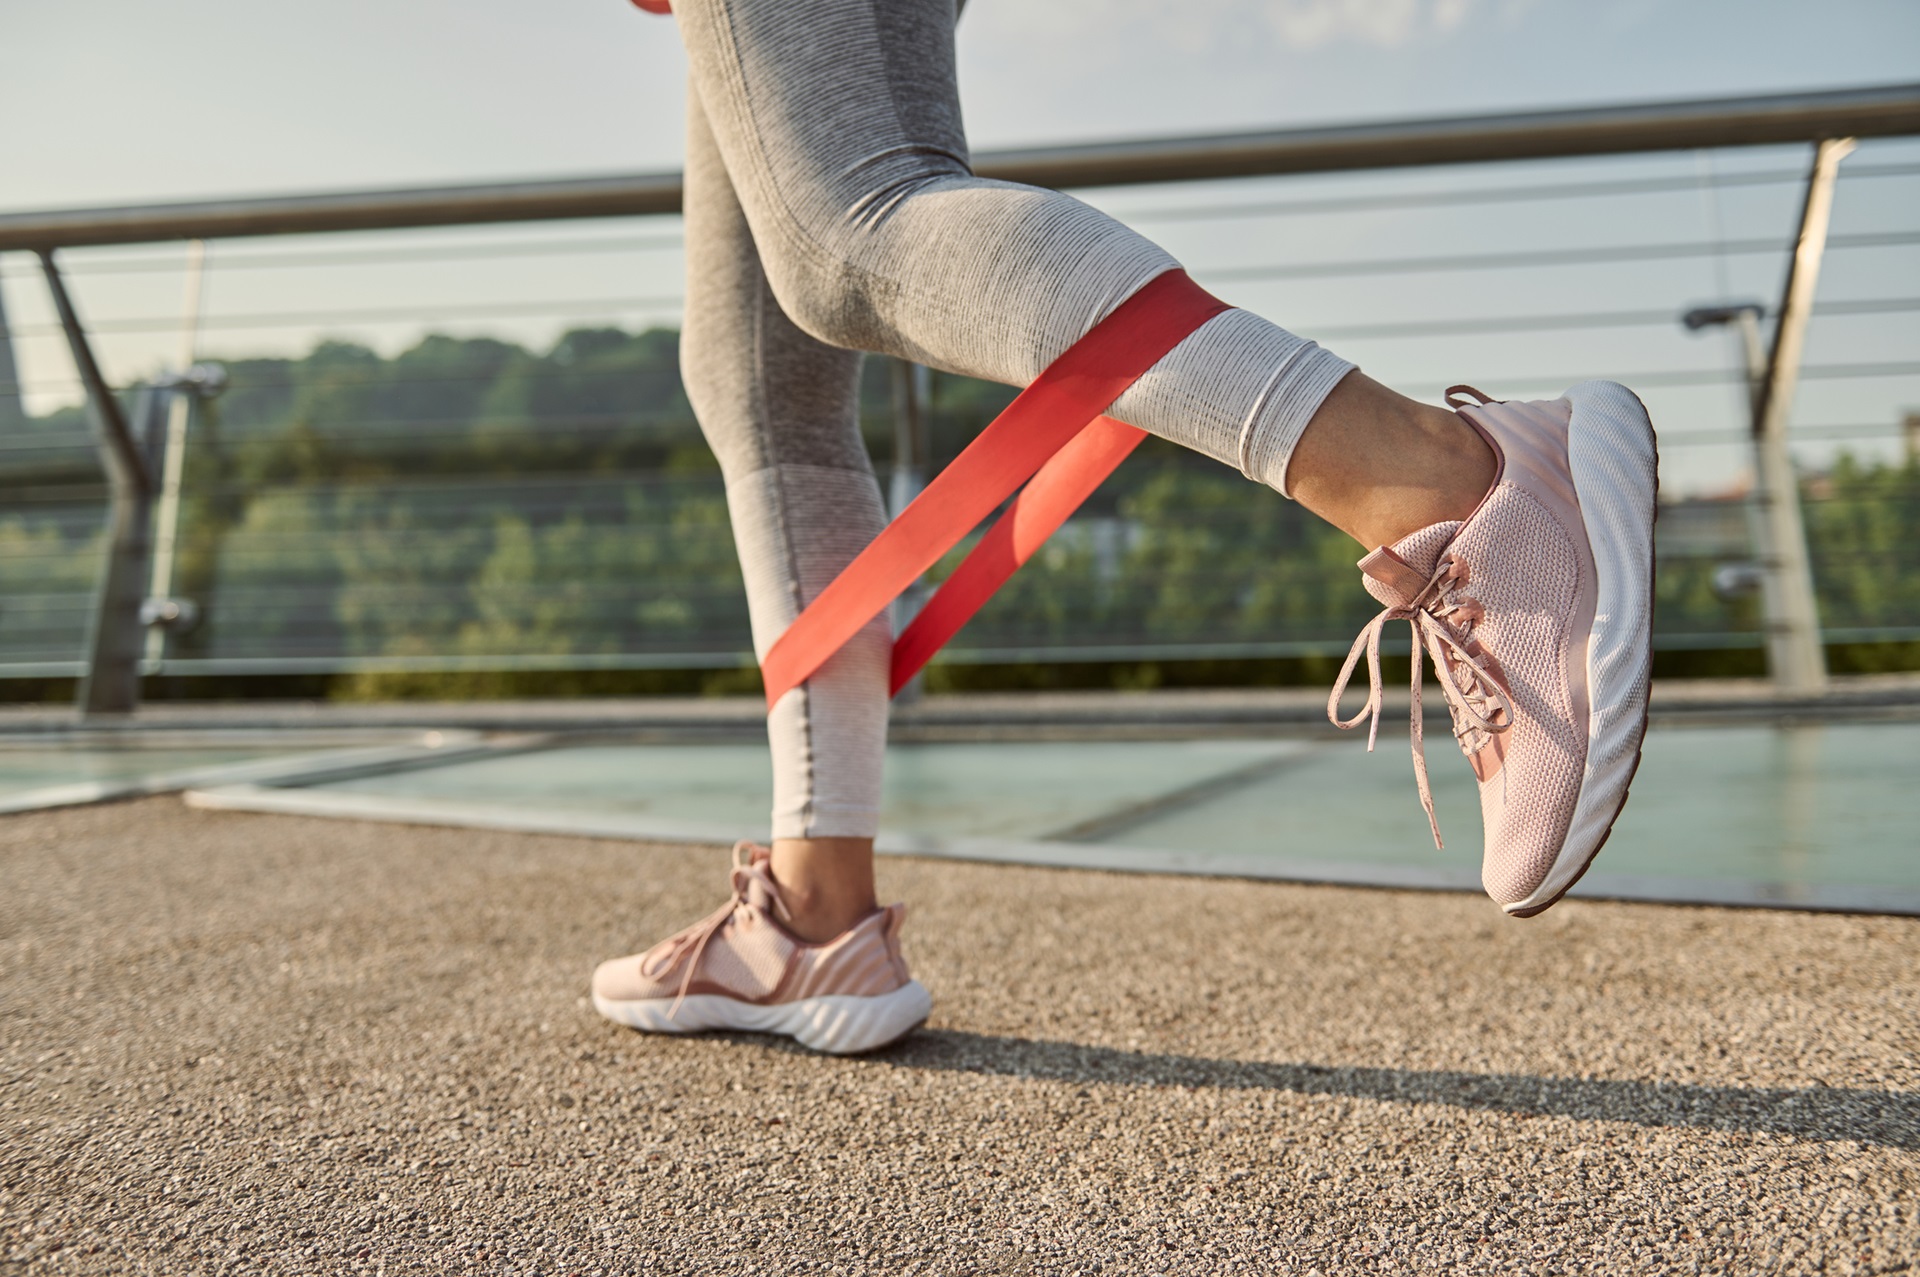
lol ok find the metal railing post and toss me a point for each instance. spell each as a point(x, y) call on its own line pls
point(911, 439)
point(13, 408)
point(173, 453)
point(912, 451)
point(1795, 657)
point(1759, 531)
point(111, 684)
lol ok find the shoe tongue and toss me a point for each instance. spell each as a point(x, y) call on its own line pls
point(756, 881)
point(1397, 573)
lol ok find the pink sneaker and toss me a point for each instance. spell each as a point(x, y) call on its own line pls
point(739, 968)
point(1537, 612)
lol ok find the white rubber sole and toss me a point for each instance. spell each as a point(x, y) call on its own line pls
point(837, 1025)
point(1615, 465)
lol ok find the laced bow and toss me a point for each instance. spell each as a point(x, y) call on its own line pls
point(688, 945)
point(1442, 624)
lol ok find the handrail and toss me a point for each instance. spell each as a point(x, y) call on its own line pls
point(1882, 111)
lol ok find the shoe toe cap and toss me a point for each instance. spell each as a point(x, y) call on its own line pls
point(1522, 846)
point(620, 980)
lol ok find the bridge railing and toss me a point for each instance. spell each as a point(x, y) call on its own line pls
point(448, 441)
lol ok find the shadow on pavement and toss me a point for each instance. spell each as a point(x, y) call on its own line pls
point(1888, 1118)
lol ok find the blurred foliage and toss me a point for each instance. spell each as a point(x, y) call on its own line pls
point(1863, 534)
point(473, 499)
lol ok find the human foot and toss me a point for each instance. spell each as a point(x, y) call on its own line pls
point(1536, 610)
point(742, 968)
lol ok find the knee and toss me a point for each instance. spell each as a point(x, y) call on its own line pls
point(821, 289)
point(764, 391)
point(753, 291)
point(832, 263)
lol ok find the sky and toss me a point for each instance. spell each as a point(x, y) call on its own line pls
point(117, 102)
point(112, 102)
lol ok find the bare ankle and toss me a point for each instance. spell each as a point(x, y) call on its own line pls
point(1458, 467)
point(1380, 466)
point(825, 883)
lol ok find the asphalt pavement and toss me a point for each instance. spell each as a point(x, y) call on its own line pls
point(257, 1044)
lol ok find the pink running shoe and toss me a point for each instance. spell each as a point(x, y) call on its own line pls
point(1537, 612)
point(739, 968)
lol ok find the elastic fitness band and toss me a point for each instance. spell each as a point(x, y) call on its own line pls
point(1052, 433)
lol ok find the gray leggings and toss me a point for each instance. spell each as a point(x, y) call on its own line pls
point(830, 210)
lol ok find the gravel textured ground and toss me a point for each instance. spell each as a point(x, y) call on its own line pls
point(253, 1044)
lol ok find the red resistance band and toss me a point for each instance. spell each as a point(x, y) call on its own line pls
point(1054, 428)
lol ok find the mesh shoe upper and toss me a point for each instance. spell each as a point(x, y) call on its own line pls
point(743, 951)
point(1503, 604)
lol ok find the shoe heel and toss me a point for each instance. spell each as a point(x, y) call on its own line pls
point(1614, 461)
point(839, 1025)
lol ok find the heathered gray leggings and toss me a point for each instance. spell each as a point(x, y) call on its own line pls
point(830, 210)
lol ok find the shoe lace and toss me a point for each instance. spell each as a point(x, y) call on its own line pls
point(687, 946)
point(1442, 622)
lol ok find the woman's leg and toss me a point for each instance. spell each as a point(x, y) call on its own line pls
point(841, 129)
point(781, 411)
point(801, 948)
